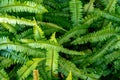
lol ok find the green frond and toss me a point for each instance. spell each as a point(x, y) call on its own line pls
point(3, 75)
point(25, 34)
point(66, 66)
point(111, 57)
point(97, 56)
point(76, 11)
point(28, 6)
point(21, 48)
point(38, 33)
point(14, 20)
point(52, 56)
point(116, 64)
point(100, 35)
point(6, 62)
point(70, 34)
point(51, 25)
point(47, 45)
point(4, 40)
point(27, 69)
point(89, 7)
point(111, 6)
point(90, 19)
point(69, 77)
point(9, 27)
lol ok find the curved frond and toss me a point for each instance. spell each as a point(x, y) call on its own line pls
point(26, 69)
point(28, 6)
point(14, 20)
point(100, 35)
point(47, 45)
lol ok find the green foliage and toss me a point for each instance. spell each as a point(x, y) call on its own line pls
point(85, 41)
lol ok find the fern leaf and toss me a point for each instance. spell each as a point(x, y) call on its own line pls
point(9, 27)
point(26, 69)
point(51, 25)
point(47, 45)
point(38, 33)
point(111, 6)
point(76, 10)
point(3, 75)
point(21, 48)
point(70, 34)
point(69, 76)
point(52, 58)
point(13, 6)
point(100, 35)
point(89, 6)
point(66, 66)
point(14, 20)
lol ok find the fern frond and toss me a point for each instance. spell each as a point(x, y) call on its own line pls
point(66, 66)
point(47, 45)
point(116, 64)
point(111, 6)
point(3, 75)
point(51, 25)
point(38, 33)
point(100, 35)
point(28, 6)
point(6, 62)
point(14, 20)
point(26, 69)
point(76, 10)
point(70, 34)
point(89, 7)
point(52, 56)
point(9, 27)
point(21, 48)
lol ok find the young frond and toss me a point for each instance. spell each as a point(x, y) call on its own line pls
point(76, 11)
point(100, 35)
point(28, 6)
point(13, 20)
point(26, 69)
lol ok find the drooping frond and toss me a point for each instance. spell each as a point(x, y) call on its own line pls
point(89, 7)
point(6, 62)
point(47, 45)
point(52, 56)
point(3, 75)
point(14, 20)
point(100, 35)
point(15, 6)
point(76, 11)
point(69, 77)
point(75, 31)
point(21, 48)
point(25, 70)
point(111, 6)
point(9, 27)
point(66, 66)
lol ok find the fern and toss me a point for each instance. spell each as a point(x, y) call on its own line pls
point(14, 20)
point(3, 75)
point(111, 6)
point(13, 6)
point(69, 76)
point(76, 10)
point(25, 70)
point(96, 36)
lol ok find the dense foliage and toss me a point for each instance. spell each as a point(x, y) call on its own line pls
point(59, 39)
